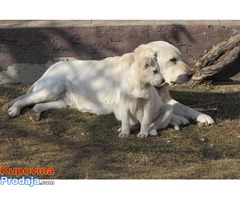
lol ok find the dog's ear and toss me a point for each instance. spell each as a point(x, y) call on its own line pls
point(155, 54)
point(139, 48)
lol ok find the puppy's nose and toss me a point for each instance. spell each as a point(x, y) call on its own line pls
point(163, 80)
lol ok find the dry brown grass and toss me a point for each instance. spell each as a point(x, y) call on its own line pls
point(86, 146)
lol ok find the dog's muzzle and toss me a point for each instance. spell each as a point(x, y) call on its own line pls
point(160, 84)
point(183, 78)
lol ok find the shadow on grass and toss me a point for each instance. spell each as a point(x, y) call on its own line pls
point(222, 105)
point(81, 146)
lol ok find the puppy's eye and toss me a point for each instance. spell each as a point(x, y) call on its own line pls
point(155, 71)
point(173, 60)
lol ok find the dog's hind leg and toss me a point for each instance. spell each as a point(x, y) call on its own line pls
point(134, 125)
point(8, 105)
point(30, 99)
point(162, 120)
point(39, 108)
point(29, 91)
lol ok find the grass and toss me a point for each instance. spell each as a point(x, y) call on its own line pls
point(85, 146)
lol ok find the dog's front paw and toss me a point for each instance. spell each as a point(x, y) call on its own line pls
point(204, 119)
point(142, 135)
point(124, 134)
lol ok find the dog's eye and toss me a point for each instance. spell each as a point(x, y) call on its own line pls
point(173, 60)
point(155, 71)
point(155, 54)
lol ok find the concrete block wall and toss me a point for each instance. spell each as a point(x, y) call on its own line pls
point(28, 48)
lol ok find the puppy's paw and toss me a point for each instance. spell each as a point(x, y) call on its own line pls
point(174, 125)
point(153, 132)
point(177, 120)
point(204, 119)
point(142, 135)
point(124, 134)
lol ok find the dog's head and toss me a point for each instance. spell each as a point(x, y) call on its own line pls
point(148, 69)
point(172, 68)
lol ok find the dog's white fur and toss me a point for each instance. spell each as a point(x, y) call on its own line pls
point(175, 71)
point(89, 86)
point(94, 86)
point(139, 100)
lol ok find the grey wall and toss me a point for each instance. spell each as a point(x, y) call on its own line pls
point(26, 52)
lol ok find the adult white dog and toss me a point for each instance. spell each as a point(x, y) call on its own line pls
point(94, 86)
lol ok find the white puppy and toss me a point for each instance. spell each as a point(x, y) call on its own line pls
point(139, 100)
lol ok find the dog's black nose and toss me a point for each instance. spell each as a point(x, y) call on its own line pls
point(190, 74)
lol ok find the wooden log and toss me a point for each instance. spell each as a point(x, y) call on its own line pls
point(218, 58)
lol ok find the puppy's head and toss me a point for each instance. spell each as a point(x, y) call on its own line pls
point(144, 51)
point(148, 70)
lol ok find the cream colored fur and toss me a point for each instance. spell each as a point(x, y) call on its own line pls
point(175, 71)
point(87, 85)
point(139, 100)
point(94, 86)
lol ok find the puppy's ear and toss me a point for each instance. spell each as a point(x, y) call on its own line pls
point(146, 62)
